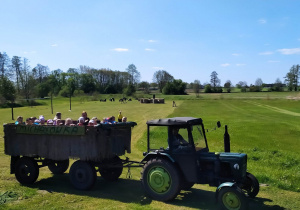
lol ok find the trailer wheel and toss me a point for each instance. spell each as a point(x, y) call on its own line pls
point(251, 185)
point(161, 179)
point(82, 175)
point(232, 198)
point(58, 167)
point(112, 173)
point(26, 170)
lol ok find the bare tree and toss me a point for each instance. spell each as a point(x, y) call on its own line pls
point(292, 77)
point(196, 87)
point(161, 77)
point(214, 80)
point(4, 65)
point(134, 75)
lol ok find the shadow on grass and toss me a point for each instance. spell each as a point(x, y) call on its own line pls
point(131, 191)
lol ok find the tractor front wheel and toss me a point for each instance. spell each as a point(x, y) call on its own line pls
point(232, 198)
point(251, 185)
point(161, 179)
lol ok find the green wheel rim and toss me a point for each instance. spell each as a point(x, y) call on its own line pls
point(231, 201)
point(159, 180)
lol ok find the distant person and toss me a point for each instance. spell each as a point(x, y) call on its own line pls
point(19, 120)
point(80, 121)
point(42, 120)
point(56, 117)
point(120, 116)
point(86, 119)
point(28, 121)
point(174, 104)
point(124, 119)
point(69, 122)
point(59, 122)
point(50, 122)
point(91, 123)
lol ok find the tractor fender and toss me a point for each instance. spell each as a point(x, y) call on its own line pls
point(152, 155)
point(225, 184)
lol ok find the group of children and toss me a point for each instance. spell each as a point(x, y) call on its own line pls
point(82, 120)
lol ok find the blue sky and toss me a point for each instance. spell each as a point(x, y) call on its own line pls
point(240, 40)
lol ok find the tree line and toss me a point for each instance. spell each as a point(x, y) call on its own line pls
point(18, 79)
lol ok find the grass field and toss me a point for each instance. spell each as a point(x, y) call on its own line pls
point(263, 125)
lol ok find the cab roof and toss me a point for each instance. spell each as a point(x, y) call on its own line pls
point(175, 121)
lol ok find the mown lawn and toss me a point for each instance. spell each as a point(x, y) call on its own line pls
point(263, 125)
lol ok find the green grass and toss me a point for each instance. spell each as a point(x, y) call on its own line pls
point(263, 125)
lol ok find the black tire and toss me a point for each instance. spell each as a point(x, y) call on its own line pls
point(58, 167)
point(26, 170)
point(232, 198)
point(251, 185)
point(186, 185)
point(111, 173)
point(161, 179)
point(82, 175)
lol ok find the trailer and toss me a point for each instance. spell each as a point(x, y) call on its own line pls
point(95, 149)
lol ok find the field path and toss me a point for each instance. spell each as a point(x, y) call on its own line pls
point(272, 108)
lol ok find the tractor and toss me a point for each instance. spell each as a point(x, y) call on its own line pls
point(178, 157)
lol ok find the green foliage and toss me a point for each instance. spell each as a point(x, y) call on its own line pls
point(129, 90)
point(176, 87)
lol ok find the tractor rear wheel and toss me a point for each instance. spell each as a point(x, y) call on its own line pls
point(161, 179)
point(251, 185)
point(232, 198)
point(82, 175)
point(26, 170)
point(58, 167)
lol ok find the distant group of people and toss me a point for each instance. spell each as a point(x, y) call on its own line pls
point(83, 120)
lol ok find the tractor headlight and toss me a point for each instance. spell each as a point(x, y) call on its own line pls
point(236, 166)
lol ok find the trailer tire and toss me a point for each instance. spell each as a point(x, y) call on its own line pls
point(82, 175)
point(251, 185)
point(161, 179)
point(58, 167)
point(113, 173)
point(26, 170)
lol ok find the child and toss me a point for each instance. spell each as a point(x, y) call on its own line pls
point(80, 121)
point(120, 116)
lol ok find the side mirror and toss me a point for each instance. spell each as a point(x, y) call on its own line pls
point(219, 124)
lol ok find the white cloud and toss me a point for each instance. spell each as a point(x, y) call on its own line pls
point(273, 61)
point(266, 53)
point(151, 40)
point(120, 49)
point(289, 51)
point(159, 68)
point(54, 45)
point(262, 21)
point(148, 49)
point(240, 64)
point(225, 64)
point(31, 52)
point(236, 54)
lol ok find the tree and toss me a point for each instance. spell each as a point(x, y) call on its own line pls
point(40, 72)
point(8, 91)
point(4, 65)
point(16, 66)
point(162, 77)
point(176, 87)
point(214, 81)
point(228, 86)
point(196, 87)
point(292, 78)
point(277, 85)
point(134, 75)
point(258, 85)
point(242, 85)
point(145, 87)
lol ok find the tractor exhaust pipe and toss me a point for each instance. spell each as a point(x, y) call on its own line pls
point(226, 140)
